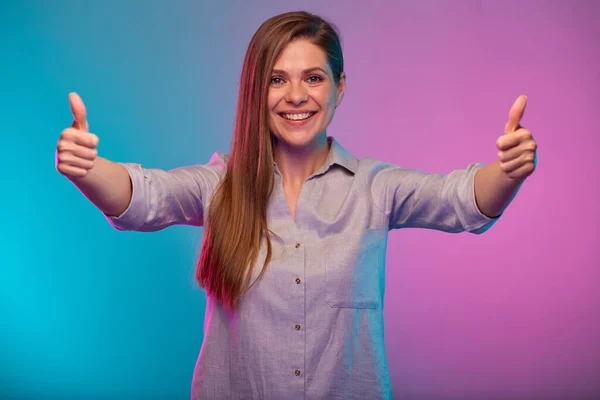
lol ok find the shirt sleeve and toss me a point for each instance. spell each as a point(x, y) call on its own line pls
point(164, 198)
point(414, 199)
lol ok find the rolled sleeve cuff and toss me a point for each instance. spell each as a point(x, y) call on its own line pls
point(134, 217)
point(475, 221)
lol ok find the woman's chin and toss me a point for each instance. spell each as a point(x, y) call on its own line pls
point(296, 139)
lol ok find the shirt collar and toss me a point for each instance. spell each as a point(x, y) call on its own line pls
point(340, 156)
point(337, 155)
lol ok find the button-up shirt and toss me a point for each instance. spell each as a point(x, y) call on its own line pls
point(312, 326)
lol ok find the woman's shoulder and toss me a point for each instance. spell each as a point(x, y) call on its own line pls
point(374, 166)
point(218, 160)
point(208, 172)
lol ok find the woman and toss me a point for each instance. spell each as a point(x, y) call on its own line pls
point(295, 227)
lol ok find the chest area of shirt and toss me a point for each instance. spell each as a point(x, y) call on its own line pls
point(323, 205)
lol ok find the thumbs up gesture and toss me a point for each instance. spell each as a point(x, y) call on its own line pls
point(76, 148)
point(517, 148)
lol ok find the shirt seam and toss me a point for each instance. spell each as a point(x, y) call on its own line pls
point(387, 215)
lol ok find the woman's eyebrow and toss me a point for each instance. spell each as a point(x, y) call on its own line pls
point(306, 71)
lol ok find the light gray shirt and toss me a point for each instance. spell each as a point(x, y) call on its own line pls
point(312, 327)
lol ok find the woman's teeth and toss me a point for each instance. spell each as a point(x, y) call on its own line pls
point(298, 117)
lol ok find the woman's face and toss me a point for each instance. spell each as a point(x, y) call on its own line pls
point(302, 94)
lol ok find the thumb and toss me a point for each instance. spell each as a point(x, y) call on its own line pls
point(516, 114)
point(79, 114)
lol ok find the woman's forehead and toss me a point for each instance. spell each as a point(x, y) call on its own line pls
point(300, 56)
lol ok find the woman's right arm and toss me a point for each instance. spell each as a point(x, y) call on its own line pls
point(133, 197)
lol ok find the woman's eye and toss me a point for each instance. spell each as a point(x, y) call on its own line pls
point(311, 79)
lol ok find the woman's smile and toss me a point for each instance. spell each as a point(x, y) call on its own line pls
point(298, 119)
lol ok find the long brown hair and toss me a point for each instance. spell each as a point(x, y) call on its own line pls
point(237, 215)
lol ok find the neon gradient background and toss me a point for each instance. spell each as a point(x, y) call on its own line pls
point(89, 312)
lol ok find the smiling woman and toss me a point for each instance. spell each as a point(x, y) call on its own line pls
point(293, 67)
point(293, 254)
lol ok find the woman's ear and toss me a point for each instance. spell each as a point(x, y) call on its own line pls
point(341, 87)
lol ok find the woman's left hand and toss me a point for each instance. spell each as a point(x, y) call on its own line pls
point(517, 148)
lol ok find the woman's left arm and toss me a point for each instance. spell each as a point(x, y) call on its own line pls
point(497, 184)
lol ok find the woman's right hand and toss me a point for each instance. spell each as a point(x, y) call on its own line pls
point(76, 148)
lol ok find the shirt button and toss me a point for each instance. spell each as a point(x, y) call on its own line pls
point(297, 327)
point(297, 372)
point(298, 281)
point(297, 245)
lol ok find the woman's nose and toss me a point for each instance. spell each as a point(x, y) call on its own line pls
point(296, 94)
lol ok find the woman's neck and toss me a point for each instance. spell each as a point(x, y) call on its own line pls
point(296, 164)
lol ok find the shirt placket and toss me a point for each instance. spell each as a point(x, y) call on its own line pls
point(294, 286)
point(297, 287)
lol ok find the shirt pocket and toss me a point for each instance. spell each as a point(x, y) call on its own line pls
point(352, 273)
